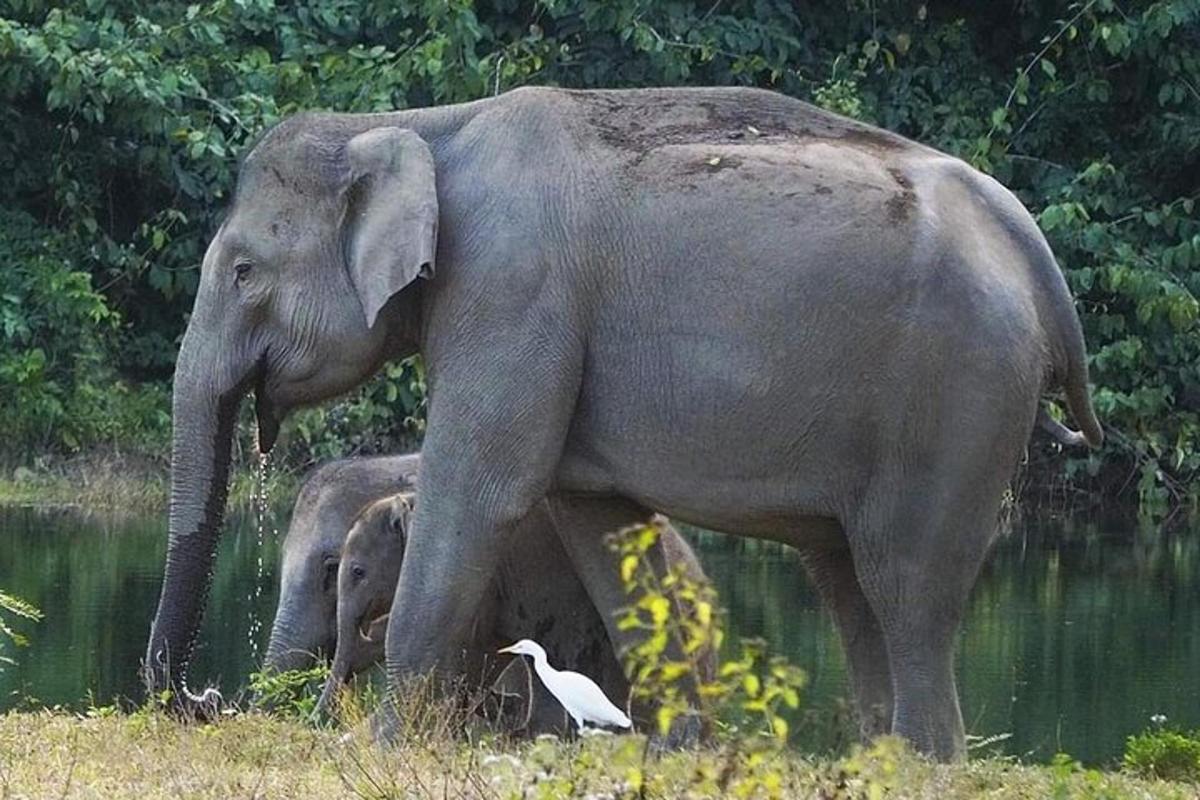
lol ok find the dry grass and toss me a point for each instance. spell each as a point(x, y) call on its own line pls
point(54, 755)
point(116, 483)
point(94, 482)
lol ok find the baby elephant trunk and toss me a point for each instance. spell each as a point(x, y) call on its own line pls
point(357, 651)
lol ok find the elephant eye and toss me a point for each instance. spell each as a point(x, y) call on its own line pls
point(358, 572)
point(241, 270)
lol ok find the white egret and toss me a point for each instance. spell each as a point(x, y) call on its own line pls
point(578, 694)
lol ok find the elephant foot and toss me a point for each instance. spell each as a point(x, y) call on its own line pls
point(686, 732)
point(188, 707)
point(384, 724)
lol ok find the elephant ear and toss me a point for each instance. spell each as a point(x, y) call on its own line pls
point(400, 515)
point(391, 215)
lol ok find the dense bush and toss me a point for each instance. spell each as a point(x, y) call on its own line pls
point(57, 333)
point(1168, 755)
point(124, 121)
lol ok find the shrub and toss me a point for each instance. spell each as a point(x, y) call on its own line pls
point(293, 693)
point(742, 703)
point(57, 386)
point(1169, 755)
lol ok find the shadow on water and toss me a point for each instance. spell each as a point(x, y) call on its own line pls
point(1076, 635)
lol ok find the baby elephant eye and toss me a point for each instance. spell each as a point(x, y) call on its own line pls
point(241, 270)
point(358, 572)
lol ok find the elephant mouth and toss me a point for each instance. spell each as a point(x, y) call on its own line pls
point(267, 414)
point(373, 626)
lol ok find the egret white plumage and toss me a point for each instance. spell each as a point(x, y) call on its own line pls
point(578, 694)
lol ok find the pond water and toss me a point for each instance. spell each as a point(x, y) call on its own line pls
point(1077, 632)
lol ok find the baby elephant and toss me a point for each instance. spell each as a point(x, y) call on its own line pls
point(535, 594)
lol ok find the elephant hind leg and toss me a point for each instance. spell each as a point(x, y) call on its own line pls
point(917, 555)
point(832, 571)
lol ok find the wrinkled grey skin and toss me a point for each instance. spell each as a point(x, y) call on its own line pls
point(819, 333)
point(305, 626)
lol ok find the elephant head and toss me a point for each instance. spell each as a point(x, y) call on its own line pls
point(332, 218)
point(366, 584)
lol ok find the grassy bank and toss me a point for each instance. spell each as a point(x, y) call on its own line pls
point(112, 482)
point(119, 483)
point(254, 756)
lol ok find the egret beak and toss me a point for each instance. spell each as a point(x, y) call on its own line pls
point(508, 649)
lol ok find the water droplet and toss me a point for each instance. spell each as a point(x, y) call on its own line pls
point(262, 508)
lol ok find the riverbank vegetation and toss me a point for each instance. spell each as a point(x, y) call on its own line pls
point(117, 483)
point(147, 755)
point(126, 121)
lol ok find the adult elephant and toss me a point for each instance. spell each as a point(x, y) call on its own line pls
point(722, 304)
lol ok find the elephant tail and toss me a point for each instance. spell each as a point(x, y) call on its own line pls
point(1079, 401)
point(1069, 359)
point(1063, 335)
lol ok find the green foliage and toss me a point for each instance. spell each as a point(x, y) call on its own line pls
point(1169, 755)
point(680, 628)
point(55, 332)
point(1069, 780)
point(385, 415)
point(676, 617)
point(16, 607)
point(293, 693)
point(125, 122)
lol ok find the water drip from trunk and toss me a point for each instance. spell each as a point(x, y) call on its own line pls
point(261, 501)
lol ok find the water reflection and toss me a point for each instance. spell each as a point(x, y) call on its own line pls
point(1076, 635)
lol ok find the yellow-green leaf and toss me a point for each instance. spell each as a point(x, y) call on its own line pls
point(779, 727)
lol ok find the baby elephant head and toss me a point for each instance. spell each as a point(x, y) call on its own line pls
point(367, 577)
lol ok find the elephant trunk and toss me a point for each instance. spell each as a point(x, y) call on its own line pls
point(204, 417)
point(289, 648)
point(339, 676)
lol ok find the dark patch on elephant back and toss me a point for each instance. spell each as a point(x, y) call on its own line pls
point(901, 204)
point(643, 121)
point(871, 138)
point(822, 189)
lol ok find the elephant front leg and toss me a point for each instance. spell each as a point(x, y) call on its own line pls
point(583, 524)
point(495, 434)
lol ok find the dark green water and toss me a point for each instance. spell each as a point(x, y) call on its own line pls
point(1077, 633)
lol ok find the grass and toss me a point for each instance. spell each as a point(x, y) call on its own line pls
point(252, 755)
point(113, 482)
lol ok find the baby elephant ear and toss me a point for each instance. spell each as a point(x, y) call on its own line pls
point(401, 514)
point(391, 214)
